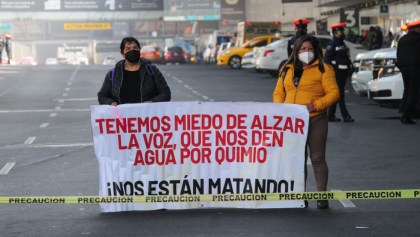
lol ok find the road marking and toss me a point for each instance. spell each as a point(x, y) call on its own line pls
point(6, 168)
point(205, 97)
point(69, 84)
point(67, 89)
point(29, 141)
point(44, 125)
point(65, 94)
point(42, 111)
point(196, 93)
point(188, 87)
point(53, 115)
point(3, 93)
point(57, 108)
point(346, 203)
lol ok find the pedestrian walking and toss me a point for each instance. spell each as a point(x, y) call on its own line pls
point(338, 55)
point(8, 47)
point(2, 43)
point(133, 79)
point(306, 80)
point(408, 61)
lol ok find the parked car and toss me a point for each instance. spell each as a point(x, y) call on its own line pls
point(218, 49)
point(387, 86)
point(175, 54)
point(63, 61)
point(247, 60)
point(387, 89)
point(233, 56)
point(51, 61)
point(153, 53)
point(364, 65)
point(109, 60)
point(28, 61)
point(81, 60)
point(273, 56)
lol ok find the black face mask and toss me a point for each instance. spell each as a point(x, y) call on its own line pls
point(133, 56)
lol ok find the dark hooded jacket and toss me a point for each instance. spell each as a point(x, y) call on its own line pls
point(153, 85)
point(408, 50)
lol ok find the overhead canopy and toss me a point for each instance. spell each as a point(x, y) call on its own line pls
point(342, 3)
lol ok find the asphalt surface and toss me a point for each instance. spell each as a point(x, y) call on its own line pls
point(46, 141)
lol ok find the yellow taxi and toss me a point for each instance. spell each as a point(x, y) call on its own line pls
point(233, 56)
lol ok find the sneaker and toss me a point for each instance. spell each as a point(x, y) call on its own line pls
point(348, 119)
point(405, 120)
point(334, 119)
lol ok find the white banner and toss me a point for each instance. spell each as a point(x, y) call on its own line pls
point(192, 148)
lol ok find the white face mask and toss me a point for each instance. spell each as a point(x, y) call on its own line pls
point(306, 57)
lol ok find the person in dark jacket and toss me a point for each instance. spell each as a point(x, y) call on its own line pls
point(8, 47)
point(338, 55)
point(408, 61)
point(301, 29)
point(2, 43)
point(134, 79)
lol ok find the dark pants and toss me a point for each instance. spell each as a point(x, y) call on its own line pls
point(341, 78)
point(317, 143)
point(9, 56)
point(411, 79)
point(1, 53)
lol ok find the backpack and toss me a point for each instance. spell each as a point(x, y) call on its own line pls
point(149, 69)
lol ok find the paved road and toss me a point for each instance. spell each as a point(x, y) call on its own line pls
point(46, 149)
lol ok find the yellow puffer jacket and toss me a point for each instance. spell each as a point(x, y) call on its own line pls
point(313, 85)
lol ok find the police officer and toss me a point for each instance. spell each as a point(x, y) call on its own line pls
point(408, 61)
point(301, 29)
point(338, 55)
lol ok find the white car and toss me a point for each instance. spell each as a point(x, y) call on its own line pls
point(51, 61)
point(387, 85)
point(387, 89)
point(272, 57)
point(362, 71)
point(247, 60)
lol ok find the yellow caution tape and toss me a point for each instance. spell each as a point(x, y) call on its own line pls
point(333, 195)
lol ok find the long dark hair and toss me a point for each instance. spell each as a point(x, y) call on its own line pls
point(294, 57)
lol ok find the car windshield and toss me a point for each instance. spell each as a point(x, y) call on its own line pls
point(175, 49)
point(278, 42)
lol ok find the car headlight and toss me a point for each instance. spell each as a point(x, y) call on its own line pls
point(388, 71)
point(366, 65)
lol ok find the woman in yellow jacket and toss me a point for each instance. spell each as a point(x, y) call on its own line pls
point(306, 80)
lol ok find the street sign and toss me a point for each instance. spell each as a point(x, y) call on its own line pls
point(383, 11)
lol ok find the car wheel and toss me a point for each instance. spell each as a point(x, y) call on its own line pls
point(235, 62)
